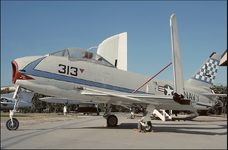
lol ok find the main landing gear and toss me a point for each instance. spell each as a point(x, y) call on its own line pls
point(112, 120)
point(145, 124)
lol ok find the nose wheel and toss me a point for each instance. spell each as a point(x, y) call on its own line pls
point(12, 124)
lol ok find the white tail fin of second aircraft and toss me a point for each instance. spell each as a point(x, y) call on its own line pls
point(178, 80)
point(114, 49)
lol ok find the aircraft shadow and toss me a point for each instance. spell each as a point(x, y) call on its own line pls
point(171, 128)
point(197, 120)
point(191, 130)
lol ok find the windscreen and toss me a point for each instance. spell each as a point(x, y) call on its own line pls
point(78, 54)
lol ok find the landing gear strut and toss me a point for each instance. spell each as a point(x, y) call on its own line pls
point(132, 113)
point(19, 94)
point(65, 109)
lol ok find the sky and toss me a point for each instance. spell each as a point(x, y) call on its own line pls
point(30, 28)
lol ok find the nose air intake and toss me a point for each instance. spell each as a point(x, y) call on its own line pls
point(16, 75)
point(14, 71)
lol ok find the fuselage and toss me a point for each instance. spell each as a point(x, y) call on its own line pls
point(60, 76)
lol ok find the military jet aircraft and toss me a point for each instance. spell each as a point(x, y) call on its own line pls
point(76, 73)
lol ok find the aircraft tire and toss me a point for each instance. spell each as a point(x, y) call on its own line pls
point(112, 120)
point(149, 128)
point(15, 124)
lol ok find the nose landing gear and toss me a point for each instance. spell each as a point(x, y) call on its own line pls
point(19, 94)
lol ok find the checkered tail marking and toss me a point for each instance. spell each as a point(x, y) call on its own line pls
point(208, 71)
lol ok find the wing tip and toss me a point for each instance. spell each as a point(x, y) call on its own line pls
point(172, 16)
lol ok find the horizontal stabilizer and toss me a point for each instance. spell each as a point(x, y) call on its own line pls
point(211, 95)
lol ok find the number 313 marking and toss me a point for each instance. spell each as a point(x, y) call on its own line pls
point(68, 70)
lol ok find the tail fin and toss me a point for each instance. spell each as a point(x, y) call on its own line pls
point(207, 72)
point(114, 49)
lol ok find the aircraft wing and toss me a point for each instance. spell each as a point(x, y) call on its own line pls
point(128, 100)
point(64, 100)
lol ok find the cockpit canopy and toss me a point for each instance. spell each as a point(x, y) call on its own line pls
point(79, 54)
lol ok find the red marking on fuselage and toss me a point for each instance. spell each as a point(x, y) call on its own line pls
point(24, 77)
point(82, 70)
